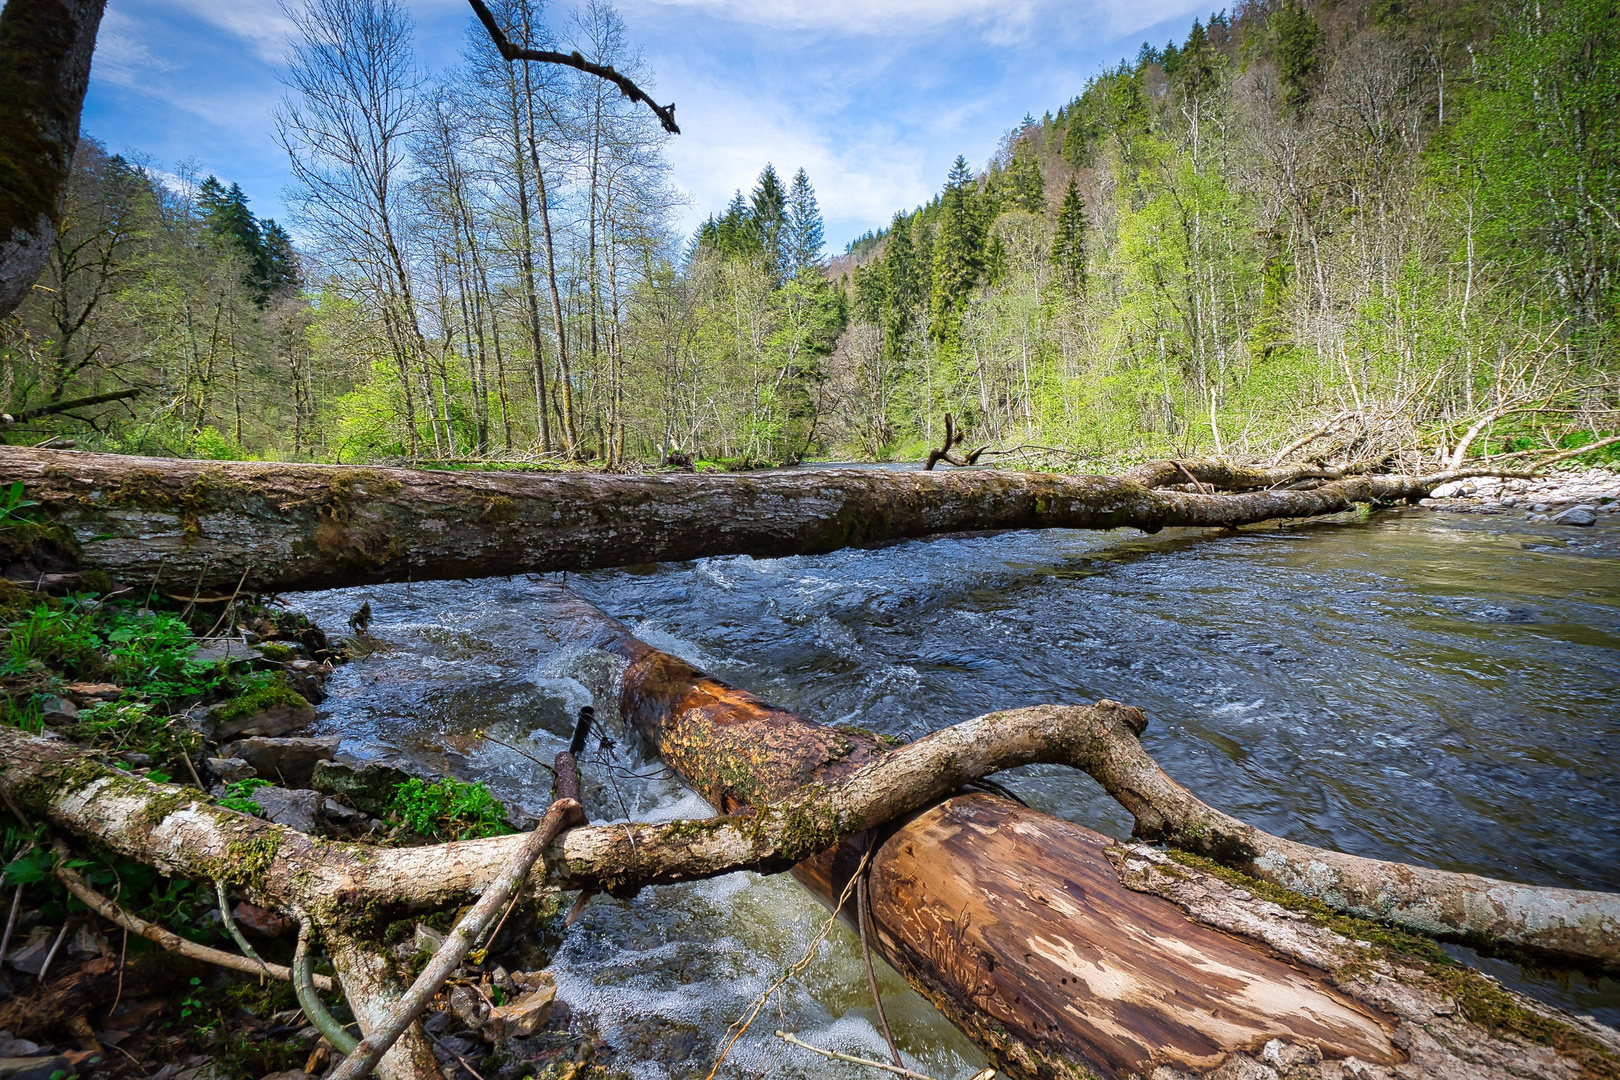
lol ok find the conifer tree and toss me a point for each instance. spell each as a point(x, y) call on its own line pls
point(1296, 40)
point(805, 229)
point(1026, 187)
point(768, 219)
point(1069, 242)
point(958, 255)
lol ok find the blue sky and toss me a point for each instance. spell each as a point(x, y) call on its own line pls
point(874, 98)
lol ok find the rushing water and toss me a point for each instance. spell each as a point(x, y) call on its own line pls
point(1435, 688)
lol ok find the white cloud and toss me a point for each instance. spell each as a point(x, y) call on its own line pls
point(861, 16)
point(122, 56)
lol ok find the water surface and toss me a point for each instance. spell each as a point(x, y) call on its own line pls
point(1435, 688)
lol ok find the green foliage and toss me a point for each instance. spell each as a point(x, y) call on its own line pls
point(448, 809)
point(1068, 255)
point(238, 796)
point(259, 692)
point(1296, 49)
point(134, 726)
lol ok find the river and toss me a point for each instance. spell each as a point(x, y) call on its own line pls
point(1436, 688)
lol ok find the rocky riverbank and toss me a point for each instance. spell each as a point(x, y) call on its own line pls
point(1574, 497)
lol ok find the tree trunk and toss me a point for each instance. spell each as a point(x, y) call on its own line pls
point(280, 527)
point(1059, 950)
point(45, 49)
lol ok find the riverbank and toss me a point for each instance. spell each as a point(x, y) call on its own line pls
point(1575, 497)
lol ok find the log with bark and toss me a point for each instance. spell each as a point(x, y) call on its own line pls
point(1058, 950)
point(267, 527)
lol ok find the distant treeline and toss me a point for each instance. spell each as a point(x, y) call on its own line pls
point(1402, 211)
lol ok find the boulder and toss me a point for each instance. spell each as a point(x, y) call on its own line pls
point(55, 710)
point(1448, 490)
point(35, 1068)
point(523, 1017)
point(367, 787)
point(283, 718)
point(1576, 515)
point(295, 809)
point(290, 761)
point(230, 769)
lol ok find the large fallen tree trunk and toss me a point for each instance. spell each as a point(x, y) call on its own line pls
point(215, 527)
point(1059, 950)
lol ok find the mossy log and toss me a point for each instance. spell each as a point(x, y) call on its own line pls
point(1063, 953)
point(214, 527)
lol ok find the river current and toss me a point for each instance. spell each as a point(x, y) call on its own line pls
point(1435, 688)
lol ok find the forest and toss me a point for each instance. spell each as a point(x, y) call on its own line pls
point(1394, 218)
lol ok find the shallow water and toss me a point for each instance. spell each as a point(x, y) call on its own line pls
point(1435, 688)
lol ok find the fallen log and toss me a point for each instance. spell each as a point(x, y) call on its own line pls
point(1060, 951)
point(223, 527)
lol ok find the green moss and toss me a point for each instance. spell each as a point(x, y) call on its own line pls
point(248, 861)
point(500, 510)
point(274, 650)
point(263, 693)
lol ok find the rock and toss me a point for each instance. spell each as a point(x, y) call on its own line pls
point(339, 814)
point(1576, 515)
point(87, 693)
point(469, 1006)
point(208, 1070)
point(58, 710)
point(1536, 519)
point(279, 719)
point(259, 921)
point(31, 957)
point(85, 943)
point(294, 809)
point(523, 1018)
point(1541, 507)
point(232, 652)
point(35, 1068)
point(369, 787)
point(288, 761)
point(1447, 490)
point(14, 1048)
point(231, 769)
point(288, 1074)
point(428, 939)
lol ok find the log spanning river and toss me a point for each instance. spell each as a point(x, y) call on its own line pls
point(1434, 688)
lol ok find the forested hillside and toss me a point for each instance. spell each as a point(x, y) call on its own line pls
point(1400, 216)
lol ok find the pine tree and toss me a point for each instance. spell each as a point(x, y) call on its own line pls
point(1026, 187)
point(805, 229)
point(1296, 42)
point(279, 271)
point(1069, 242)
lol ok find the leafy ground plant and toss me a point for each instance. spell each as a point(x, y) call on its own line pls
point(448, 809)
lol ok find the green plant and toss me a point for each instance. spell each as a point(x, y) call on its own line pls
point(448, 809)
point(132, 725)
point(238, 795)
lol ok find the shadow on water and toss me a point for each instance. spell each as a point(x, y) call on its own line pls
point(1433, 688)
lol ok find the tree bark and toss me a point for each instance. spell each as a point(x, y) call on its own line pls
point(280, 527)
point(45, 50)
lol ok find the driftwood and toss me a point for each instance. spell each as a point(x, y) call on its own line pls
point(263, 527)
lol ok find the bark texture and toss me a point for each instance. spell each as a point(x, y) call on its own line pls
point(272, 527)
point(45, 50)
point(1025, 931)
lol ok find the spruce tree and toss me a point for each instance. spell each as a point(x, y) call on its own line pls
point(1069, 242)
point(1026, 187)
point(1296, 42)
point(767, 218)
point(805, 229)
point(958, 252)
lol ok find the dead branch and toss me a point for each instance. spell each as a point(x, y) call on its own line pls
point(509, 52)
point(52, 408)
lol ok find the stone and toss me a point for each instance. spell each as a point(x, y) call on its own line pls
point(35, 1068)
point(1536, 519)
point(1576, 515)
point(84, 943)
point(1448, 490)
point(84, 693)
point(13, 1047)
point(339, 814)
point(428, 939)
point(289, 761)
point(523, 1017)
point(232, 652)
point(469, 1006)
point(1541, 507)
point(31, 957)
point(279, 719)
point(292, 808)
point(286, 1074)
point(254, 918)
point(230, 769)
point(367, 787)
point(58, 710)
point(208, 1070)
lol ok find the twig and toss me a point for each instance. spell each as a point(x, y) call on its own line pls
point(57, 944)
point(863, 918)
point(310, 1001)
point(509, 52)
point(164, 937)
point(1188, 474)
point(362, 1057)
point(447, 1049)
point(235, 931)
point(852, 1059)
point(234, 594)
point(740, 1028)
point(11, 923)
